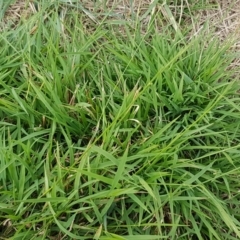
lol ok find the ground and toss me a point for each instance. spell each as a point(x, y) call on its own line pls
point(124, 134)
point(223, 16)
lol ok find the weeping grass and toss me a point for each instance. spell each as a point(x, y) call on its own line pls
point(116, 135)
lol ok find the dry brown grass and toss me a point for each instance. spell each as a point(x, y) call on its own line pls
point(224, 20)
point(21, 9)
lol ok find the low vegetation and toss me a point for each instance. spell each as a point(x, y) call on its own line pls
point(117, 131)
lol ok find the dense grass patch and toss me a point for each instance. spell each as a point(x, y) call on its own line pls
point(116, 135)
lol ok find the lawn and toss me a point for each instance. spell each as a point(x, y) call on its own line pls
point(119, 121)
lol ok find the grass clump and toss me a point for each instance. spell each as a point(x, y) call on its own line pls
point(112, 137)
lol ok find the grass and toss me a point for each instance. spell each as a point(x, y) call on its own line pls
point(111, 134)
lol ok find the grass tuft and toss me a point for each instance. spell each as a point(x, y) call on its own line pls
point(105, 135)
